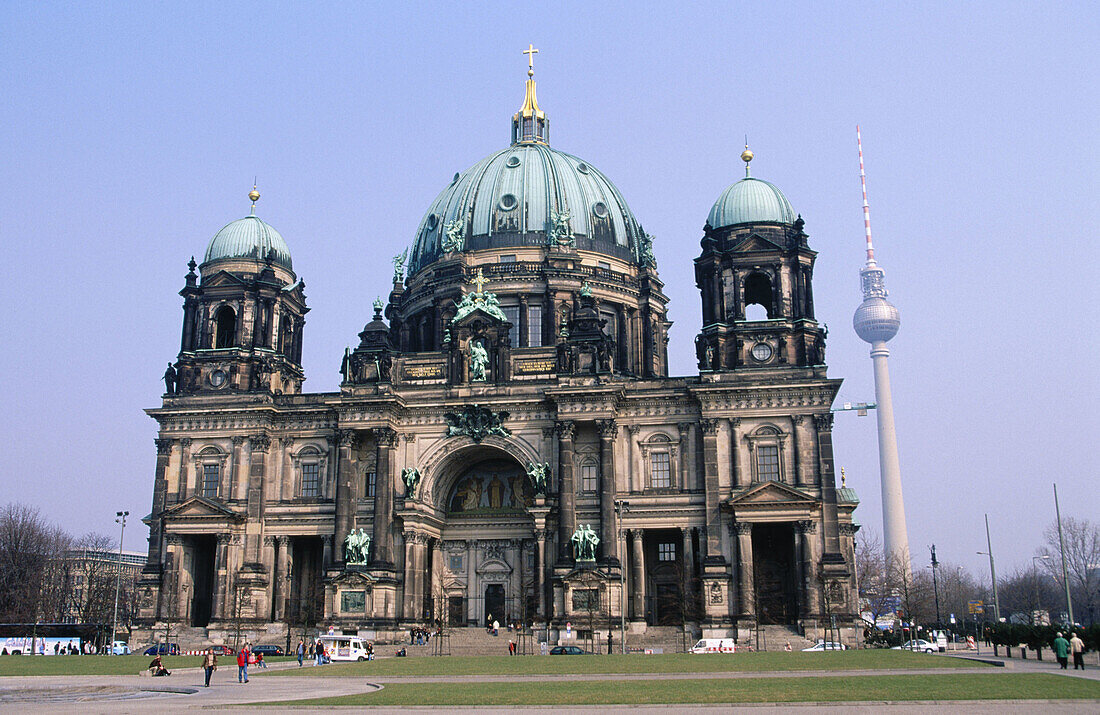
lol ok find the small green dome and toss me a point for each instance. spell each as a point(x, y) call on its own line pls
point(249, 238)
point(751, 201)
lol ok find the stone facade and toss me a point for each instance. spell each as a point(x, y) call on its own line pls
point(510, 391)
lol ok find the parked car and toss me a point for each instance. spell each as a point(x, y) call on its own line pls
point(222, 650)
point(120, 648)
point(917, 645)
point(823, 645)
point(566, 650)
point(347, 648)
point(162, 649)
point(715, 645)
point(268, 650)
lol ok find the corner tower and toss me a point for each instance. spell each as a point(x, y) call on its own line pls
point(243, 315)
point(755, 274)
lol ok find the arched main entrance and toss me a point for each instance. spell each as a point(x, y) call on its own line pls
point(489, 569)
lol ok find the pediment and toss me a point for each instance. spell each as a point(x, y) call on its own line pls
point(222, 278)
point(756, 242)
point(353, 579)
point(201, 508)
point(772, 493)
point(479, 314)
point(453, 584)
point(494, 566)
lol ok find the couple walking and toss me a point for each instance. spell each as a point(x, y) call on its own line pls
point(1062, 649)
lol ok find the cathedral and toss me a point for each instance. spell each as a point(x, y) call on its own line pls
point(506, 442)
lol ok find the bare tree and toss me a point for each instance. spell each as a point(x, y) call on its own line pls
point(1082, 542)
point(878, 591)
point(1027, 593)
point(31, 556)
point(94, 590)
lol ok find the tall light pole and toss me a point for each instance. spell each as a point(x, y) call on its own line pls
point(621, 507)
point(992, 572)
point(120, 518)
point(935, 583)
point(1062, 547)
point(1035, 569)
point(876, 321)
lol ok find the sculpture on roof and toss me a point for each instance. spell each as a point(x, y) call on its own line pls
point(585, 541)
point(537, 472)
point(560, 233)
point(454, 238)
point(399, 266)
point(479, 359)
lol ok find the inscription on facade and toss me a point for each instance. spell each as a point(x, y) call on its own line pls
point(423, 372)
point(533, 366)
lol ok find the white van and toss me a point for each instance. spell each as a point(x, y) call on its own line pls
point(715, 645)
point(344, 647)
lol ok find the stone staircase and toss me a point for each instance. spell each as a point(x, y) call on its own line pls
point(774, 638)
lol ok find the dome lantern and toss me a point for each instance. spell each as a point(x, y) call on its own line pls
point(530, 124)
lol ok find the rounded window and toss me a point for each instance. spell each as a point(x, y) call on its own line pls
point(600, 209)
point(583, 168)
point(433, 221)
point(513, 162)
point(508, 202)
point(761, 351)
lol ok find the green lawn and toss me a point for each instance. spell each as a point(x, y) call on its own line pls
point(670, 663)
point(102, 664)
point(948, 686)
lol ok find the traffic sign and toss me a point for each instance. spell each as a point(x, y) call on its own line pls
point(975, 607)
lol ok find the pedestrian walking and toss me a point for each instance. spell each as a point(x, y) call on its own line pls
point(320, 651)
point(301, 651)
point(609, 642)
point(1061, 650)
point(242, 665)
point(1077, 647)
point(209, 665)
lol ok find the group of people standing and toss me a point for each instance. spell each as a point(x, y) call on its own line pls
point(1063, 649)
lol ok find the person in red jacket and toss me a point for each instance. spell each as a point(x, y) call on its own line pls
point(242, 665)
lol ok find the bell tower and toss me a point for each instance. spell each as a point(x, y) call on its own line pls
point(243, 315)
point(755, 276)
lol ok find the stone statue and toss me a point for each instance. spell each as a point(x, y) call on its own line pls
point(378, 305)
point(357, 548)
point(586, 290)
point(454, 238)
point(645, 251)
point(170, 382)
point(411, 476)
point(585, 541)
point(479, 358)
point(399, 266)
point(537, 473)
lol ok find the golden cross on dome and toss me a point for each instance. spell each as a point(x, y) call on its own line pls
point(480, 280)
point(530, 52)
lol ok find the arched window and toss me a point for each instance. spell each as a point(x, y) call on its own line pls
point(225, 327)
point(766, 445)
point(758, 291)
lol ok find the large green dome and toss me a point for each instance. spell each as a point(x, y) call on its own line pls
point(511, 198)
point(249, 238)
point(751, 201)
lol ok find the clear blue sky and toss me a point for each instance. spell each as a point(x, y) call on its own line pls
point(132, 132)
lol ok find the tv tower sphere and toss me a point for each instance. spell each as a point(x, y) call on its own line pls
point(876, 320)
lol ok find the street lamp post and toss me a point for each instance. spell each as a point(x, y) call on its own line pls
point(621, 507)
point(935, 583)
point(120, 518)
point(1037, 595)
point(1062, 548)
point(992, 572)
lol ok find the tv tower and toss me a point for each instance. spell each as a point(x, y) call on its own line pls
point(876, 321)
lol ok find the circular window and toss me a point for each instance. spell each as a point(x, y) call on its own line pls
point(508, 202)
point(761, 351)
point(583, 168)
point(433, 221)
point(513, 161)
point(455, 178)
point(600, 209)
point(218, 378)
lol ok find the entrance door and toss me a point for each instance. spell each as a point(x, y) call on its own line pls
point(494, 602)
point(774, 573)
point(456, 611)
point(669, 604)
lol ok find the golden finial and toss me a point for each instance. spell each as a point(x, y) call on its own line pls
point(530, 52)
point(254, 196)
point(746, 156)
point(480, 280)
point(843, 477)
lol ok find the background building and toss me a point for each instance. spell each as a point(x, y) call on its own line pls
point(500, 405)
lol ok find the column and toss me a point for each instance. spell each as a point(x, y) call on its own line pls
point(326, 551)
point(830, 534)
point(258, 446)
point(235, 467)
point(287, 488)
point(807, 535)
point(345, 491)
point(221, 568)
point(382, 537)
point(688, 569)
point(160, 498)
point(523, 329)
point(420, 566)
point(686, 452)
point(270, 564)
point(184, 469)
point(409, 610)
point(173, 556)
point(566, 494)
point(740, 479)
point(435, 584)
point(638, 574)
point(541, 571)
point(608, 519)
point(745, 594)
point(634, 469)
point(797, 443)
point(281, 577)
point(710, 471)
